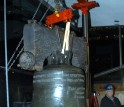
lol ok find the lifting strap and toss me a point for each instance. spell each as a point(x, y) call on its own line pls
point(66, 38)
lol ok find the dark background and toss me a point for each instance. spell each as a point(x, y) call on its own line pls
point(103, 42)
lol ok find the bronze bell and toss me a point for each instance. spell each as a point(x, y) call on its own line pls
point(59, 84)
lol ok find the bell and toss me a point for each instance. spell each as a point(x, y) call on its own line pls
point(59, 84)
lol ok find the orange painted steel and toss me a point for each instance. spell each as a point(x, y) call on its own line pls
point(82, 1)
point(65, 15)
point(85, 6)
point(94, 101)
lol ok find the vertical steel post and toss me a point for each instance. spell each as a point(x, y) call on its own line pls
point(120, 45)
point(86, 26)
point(88, 79)
point(120, 51)
point(6, 57)
point(120, 48)
point(120, 42)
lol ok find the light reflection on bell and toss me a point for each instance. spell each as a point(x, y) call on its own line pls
point(58, 92)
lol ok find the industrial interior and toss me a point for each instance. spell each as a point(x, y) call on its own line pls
point(60, 53)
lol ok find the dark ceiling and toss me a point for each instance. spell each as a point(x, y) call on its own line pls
point(104, 42)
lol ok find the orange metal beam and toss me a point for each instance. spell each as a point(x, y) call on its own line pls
point(64, 15)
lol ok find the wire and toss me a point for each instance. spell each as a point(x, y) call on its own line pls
point(44, 14)
point(15, 51)
point(22, 38)
point(37, 9)
point(16, 58)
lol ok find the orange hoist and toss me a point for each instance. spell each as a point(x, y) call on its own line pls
point(65, 15)
point(84, 5)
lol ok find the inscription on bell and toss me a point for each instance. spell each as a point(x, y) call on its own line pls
point(59, 77)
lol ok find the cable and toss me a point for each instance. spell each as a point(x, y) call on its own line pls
point(15, 58)
point(15, 51)
point(37, 9)
point(44, 14)
point(22, 37)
